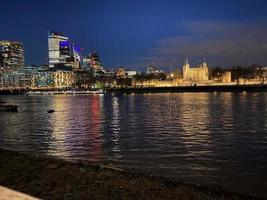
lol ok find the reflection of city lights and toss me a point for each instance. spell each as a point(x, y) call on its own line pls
point(195, 119)
point(116, 127)
point(94, 131)
point(59, 127)
point(76, 124)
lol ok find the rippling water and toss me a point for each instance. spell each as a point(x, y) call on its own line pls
point(207, 138)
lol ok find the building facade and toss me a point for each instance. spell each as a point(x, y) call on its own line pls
point(58, 48)
point(63, 79)
point(11, 55)
point(227, 77)
point(157, 83)
point(15, 79)
point(200, 73)
point(130, 73)
point(49, 79)
point(62, 52)
point(92, 63)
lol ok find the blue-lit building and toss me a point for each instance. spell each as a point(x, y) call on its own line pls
point(62, 52)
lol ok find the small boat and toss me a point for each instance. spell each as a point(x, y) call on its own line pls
point(50, 111)
point(9, 108)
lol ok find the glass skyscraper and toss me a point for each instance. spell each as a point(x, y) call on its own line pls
point(59, 49)
point(62, 52)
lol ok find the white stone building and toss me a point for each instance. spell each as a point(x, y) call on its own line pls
point(200, 73)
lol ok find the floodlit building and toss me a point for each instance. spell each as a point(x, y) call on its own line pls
point(120, 72)
point(130, 73)
point(11, 55)
point(157, 83)
point(63, 79)
point(227, 77)
point(53, 79)
point(124, 73)
point(200, 73)
point(264, 69)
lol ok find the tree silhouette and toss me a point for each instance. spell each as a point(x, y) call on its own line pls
point(1, 60)
point(217, 72)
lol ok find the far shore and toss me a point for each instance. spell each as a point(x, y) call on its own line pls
point(196, 88)
point(52, 178)
point(129, 90)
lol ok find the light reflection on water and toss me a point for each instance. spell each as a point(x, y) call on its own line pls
point(197, 137)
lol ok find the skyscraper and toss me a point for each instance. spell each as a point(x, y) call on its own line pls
point(62, 52)
point(59, 49)
point(11, 55)
point(77, 57)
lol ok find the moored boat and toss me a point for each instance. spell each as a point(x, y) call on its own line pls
point(9, 108)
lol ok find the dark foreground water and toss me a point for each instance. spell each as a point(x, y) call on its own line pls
point(206, 138)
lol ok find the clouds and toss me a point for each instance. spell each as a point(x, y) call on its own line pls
point(222, 43)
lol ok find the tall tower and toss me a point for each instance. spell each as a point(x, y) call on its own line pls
point(59, 49)
point(77, 56)
point(205, 74)
point(186, 69)
point(204, 64)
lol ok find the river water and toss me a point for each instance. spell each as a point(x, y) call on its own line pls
point(205, 138)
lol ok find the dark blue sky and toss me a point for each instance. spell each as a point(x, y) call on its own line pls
point(138, 33)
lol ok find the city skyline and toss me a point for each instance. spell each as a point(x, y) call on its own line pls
point(136, 35)
point(133, 99)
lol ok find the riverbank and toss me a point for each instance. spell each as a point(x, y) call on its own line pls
point(129, 90)
point(51, 178)
point(180, 89)
point(13, 91)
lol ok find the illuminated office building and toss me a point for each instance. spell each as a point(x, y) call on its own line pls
point(11, 55)
point(59, 49)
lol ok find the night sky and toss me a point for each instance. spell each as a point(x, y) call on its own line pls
point(137, 33)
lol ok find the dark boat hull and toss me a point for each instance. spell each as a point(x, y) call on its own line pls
point(8, 108)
